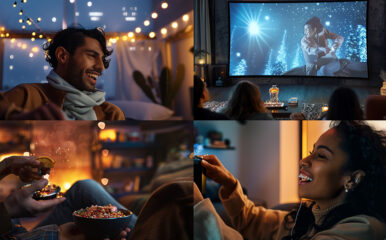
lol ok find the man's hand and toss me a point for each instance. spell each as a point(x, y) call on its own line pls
point(21, 166)
point(122, 235)
point(48, 111)
point(21, 204)
point(218, 173)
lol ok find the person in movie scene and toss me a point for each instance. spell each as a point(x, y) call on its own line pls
point(340, 186)
point(320, 58)
point(78, 57)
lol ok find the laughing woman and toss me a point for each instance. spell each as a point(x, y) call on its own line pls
point(343, 179)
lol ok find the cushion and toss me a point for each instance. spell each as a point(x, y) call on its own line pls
point(139, 110)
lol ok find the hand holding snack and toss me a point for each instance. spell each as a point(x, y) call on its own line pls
point(21, 166)
point(21, 204)
point(46, 163)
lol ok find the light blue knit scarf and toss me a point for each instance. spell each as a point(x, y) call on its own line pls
point(78, 105)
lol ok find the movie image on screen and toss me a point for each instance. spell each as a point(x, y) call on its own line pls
point(298, 39)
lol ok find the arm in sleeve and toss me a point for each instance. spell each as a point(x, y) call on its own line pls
point(356, 227)
point(11, 102)
point(49, 232)
point(338, 40)
point(251, 221)
point(309, 47)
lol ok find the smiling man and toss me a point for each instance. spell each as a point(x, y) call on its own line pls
point(78, 57)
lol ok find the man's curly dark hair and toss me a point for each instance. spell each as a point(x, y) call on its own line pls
point(72, 38)
point(366, 150)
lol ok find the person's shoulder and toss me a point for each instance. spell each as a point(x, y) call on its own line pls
point(111, 111)
point(361, 226)
point(26, 89)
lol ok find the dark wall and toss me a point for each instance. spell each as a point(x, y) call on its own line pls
point(376, 48)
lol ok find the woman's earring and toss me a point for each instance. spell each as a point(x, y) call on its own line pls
point(346, 189)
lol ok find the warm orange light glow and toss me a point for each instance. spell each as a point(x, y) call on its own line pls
point(174, 25)
point(102, 125)
point(324, 109)
point(105, 152)
point(130, 34)
point(26, 154)
point(104, 181)
point(164, 31)
point(185, 18)
point(67, 185)
point(3, 156)
point(108, 135)
point(35, 49)
point(152, 34)
point(124, 38)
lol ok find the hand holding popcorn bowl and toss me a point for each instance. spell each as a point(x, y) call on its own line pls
point(100, 222)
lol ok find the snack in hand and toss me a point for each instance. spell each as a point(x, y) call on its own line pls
point(47, 163)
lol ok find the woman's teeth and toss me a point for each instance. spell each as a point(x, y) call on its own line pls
point(304, 178)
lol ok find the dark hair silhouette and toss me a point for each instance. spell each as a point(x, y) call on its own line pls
point(344, 105)
point(244, 102)
point(72, 38)
point(314, 22)
point(366, 150)
point(199, 86)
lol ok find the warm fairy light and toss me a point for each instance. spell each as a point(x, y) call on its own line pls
point(20, 20)
point(324, 109)
point(108, 135)
point(23, 27)
point(2, 35)
point(14, 4)
point(154, 15)
point(23, 1)
point(130, 34)
point(24, 46)
point(138, 30)
point(164, 31)
point(49, 39)
point(174, 25)
point(53, 19)
point(33, 39)
point(185, 18)
point(104, 181)
point(11, 67)
point(124, 38)
point(33, 33)
point(146, 23)
point(101, 125)
point(201, 61)
point(31, 55)
point(72, 1)
point(35, 49)
point(89, 4)
point(105, 152)
point(13, 40)
point(11, 56)
point(67, 185)
point(21, 12)
point(28, 22)
point(164, 5)
point(152, 34)
point(132, 40)
point(7, 34)
point(2, 28)
point(39, 19)
point(112, 40)
point(40, 36)
point(26, 154)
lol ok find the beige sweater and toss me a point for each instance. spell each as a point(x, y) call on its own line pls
point(260, 223)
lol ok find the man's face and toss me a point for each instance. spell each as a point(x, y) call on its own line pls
point(85, 65)
point(309, 31)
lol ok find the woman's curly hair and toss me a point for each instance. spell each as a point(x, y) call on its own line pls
point(72, 38)
point(366, 151)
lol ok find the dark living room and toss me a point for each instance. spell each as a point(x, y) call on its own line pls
point(273, 45)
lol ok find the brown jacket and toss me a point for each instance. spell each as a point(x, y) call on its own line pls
point(27, 97)
point(259, 223)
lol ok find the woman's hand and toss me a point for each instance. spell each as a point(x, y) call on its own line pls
point(21, 166)
point(21, 204)
point(218, 173)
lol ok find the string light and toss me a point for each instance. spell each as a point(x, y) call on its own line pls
point(39, 19)
point(2, 28)
point(124, 38)
point(33, 39)
point(7, 35)
point(164, 31)
point(40, 36)
point(185, 18)
point(33, 33)
point(35, 49)
point(24, 46)
point(20, 20)
point(130, 34)
point(11, 67)
point(164, 5)
point(31, 55)
point(13, 40)
point(133, 40)
point(174, 25)
point(11, 56)
point(154, 15)
point(146, 23)
point(14, 4)
point(138, 30)
point(24, 1)
point(53, 19)
point(89, 4)
point(23, 27)
point(2, 35)
point(21, 12)
point(152, 34)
